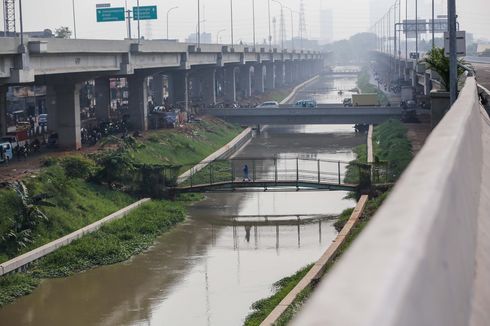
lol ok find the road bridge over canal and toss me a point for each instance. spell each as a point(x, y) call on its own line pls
point(297, 116)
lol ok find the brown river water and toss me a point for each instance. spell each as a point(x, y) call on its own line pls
point(229, 252)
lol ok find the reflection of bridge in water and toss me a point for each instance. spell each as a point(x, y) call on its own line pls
point(275, 174)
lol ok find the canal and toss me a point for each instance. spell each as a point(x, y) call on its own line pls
point(229, 252)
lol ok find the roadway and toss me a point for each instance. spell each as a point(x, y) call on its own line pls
point(301, 116)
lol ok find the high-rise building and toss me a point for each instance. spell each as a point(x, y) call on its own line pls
point(326, 26)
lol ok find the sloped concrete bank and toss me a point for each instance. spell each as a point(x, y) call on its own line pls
point(425, 257)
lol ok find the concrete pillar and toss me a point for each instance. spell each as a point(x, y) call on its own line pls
point(138, 102)
point(180, 89)
point(246, 81)
point(208, 86)
point(280, 74)
point(440, 104)
point(259, 79)
point(3, 110)
point(157, 89)
point(102, 99)
point(289, 75)
point(63, 104)
point(230, 84)
point(270, 76)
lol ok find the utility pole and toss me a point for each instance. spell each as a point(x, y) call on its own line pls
point(139, 29)
point(270, 35)
point(198, 24)
point(253, 20)
point(231, 22)
point(433, 25)
point(453, 60)
point(74, 19)
point(416, 29)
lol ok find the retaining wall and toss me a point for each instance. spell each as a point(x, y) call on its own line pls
point(31, 256)
point(424, 258)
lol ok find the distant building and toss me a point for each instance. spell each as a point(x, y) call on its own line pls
point(326, 26)
point(206, 38)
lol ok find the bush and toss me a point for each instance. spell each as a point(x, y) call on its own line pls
point(79, 167)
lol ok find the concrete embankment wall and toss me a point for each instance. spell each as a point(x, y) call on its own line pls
point(424, 259)
point(33, 255)
point(298, 88)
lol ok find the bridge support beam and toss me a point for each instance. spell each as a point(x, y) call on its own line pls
point(205, 83)
point(270, 76)
point(102, 99)
point(259, 79)
point(63, 102)
point(3, 110)
point(138, 102)
point(179, 89)
point(289, 75)
point(246, 81)
point(280, 74)
point(230, 84)
point(157, 89)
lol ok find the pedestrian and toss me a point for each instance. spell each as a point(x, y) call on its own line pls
point(26, 150)
point(245, 173)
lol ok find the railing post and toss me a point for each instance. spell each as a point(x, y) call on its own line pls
point(297, 171)
point(253, 168)
point(192, 170)
point(275, 170)
point(319, 175)
point(210, 174)
point(340, 181)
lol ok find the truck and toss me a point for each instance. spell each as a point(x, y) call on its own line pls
point(366, 99)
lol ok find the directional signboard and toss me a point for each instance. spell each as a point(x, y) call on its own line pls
point(145, 12)
point(110, 15)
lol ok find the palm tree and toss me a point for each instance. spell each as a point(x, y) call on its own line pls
point(437, 61)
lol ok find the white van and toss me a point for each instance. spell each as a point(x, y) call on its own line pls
point(7, 150)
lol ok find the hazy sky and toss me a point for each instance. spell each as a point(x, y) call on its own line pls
point(350, 16)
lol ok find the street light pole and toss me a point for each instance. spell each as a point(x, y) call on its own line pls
point(453, 61)
point(139, 29)
point(292, 26)
point(253, 19)
point(168, 12)
point(198, 24)
point(416, 29)
point(270, 35)
point(74, 19)
point(231, 22)
point(21, 25)
point(282, 23)
point(433, 25)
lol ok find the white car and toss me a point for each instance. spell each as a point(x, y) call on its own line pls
point(269, 105)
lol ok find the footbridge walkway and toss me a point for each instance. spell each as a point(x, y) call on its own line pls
point(424, 259)
point(277, 174)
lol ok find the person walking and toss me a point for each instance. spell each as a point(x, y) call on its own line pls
point(245, 173)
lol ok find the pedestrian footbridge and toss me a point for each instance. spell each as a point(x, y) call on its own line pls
point(278, 174)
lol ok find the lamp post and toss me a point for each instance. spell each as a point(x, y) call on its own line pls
point(253, 20)
point(453, 61)
point(282, 24)
point(292, 26)
point(416, 29)
point(138, 14)
point(21, 26)
point(433, 25)
point(168, 12)
point(74, 18)
point(217, 35)
point(231, 23)
point(198, 24)
point(270, 35)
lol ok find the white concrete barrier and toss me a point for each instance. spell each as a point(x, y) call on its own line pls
point(33, 255)
point(229, 149)
point(424, 259)
point(297, 88)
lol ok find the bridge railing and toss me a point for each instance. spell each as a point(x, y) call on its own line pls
point(284, 170)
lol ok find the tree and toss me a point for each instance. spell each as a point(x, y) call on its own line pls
point(437, 61)
point(62, 32)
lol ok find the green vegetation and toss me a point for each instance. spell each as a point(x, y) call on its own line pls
point(279, 94)
point(363, 82)
point(437, 61)
point(262, 308)
point(113, 243)
point(393, 150)
point(70, 193)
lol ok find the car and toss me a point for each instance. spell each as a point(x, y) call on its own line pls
point(7, 150)
point(269, 105)
point(43, 120)
point(347, 101)
point(305, 104)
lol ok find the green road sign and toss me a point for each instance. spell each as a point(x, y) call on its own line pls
point(145, 12)
point(110, 15)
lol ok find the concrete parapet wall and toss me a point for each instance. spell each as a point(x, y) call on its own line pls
point(420, 259)
point(31, 256)
point(229, 149)
point(297, 88)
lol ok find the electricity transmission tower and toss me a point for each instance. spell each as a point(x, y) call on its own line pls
point(302, 22)
point(9, 17)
